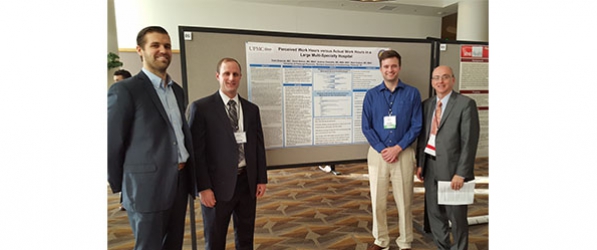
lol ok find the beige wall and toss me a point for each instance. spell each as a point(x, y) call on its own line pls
point(133, 15)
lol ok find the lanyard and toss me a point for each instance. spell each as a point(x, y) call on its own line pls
point(392, 100)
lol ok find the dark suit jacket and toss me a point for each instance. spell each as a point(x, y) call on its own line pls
point(216, 150)
point(142, 149)
point(456, 139)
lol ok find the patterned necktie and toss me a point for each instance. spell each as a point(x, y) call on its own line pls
point(436, 118)
point(233, 116)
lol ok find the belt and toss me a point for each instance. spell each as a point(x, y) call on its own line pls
point(242, 170)
point(181, 165)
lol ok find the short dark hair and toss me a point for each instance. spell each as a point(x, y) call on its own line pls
point(150, 29)
point(228, 59)
point(123, 72)
point(389, 54)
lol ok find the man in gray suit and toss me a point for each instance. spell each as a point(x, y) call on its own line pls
point(446, 152)
point(149, 147)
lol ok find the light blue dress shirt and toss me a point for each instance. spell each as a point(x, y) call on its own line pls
point(168, 99)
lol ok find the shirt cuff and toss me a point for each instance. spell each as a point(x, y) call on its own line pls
point(379, 147)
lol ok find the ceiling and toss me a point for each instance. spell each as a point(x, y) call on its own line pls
point(436, 8)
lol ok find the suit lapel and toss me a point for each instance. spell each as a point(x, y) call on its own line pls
point(429, 111)
point(449, 109)
point(220, 110)
point(243, 106)
point(179, 94)
point(153, 96)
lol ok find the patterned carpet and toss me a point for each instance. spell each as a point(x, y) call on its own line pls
point(306, 208)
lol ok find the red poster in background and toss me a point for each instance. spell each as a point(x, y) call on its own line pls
point(474, 53)
point(474, 83)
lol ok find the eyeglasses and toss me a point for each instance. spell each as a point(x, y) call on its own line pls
point(444, 77)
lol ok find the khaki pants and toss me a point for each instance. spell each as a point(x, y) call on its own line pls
point(401, 174)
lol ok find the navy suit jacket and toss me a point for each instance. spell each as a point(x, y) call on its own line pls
point(142, 148)
point(216, 150)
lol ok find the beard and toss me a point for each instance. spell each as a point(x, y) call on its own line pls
point(160, 64)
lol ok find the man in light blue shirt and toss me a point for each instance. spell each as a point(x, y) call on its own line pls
point(149, 147)
point(166, 94)
point(391, 122)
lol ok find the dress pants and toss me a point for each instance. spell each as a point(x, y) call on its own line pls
point(401, 174)
point(242, 208)
point(440, 214)
point(163, 230)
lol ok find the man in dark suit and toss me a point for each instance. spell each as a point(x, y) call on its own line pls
point(149, 147)
point(121, 74)
point(446, 152)
point(230, 154)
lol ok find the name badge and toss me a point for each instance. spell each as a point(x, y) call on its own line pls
point(430, 148)
point(241, 137)
point(389, 122)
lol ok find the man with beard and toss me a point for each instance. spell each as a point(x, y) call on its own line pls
point(391, 122)
point(149, 147)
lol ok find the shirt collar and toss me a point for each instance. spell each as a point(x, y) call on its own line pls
point(445, 99)
point(156, 80)
point(382, 86)
point(225, 98)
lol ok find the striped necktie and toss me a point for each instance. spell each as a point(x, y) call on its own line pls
point(233, 116)
point(437, 118)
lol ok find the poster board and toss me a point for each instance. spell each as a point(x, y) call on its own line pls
point(202, 48)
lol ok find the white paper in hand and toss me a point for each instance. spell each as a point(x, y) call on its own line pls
point(448, 196)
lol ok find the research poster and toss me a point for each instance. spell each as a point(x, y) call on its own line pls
point(310, 95)
point(474, 83)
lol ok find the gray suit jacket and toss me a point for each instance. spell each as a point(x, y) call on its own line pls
point(456, 139)
point(142, 150)
point(216, 150)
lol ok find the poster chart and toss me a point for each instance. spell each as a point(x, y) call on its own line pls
point(474, 83)
point(310, 95)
